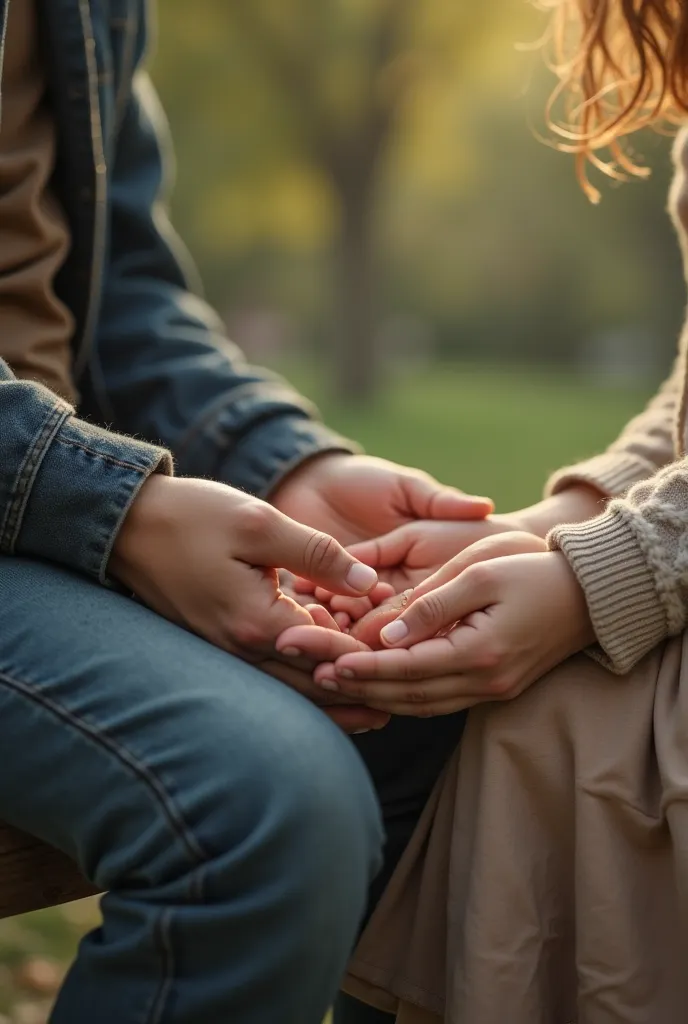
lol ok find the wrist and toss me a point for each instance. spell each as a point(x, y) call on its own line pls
point(580, 632)
point(144, 516)
point(576, 504)
point(286, 495)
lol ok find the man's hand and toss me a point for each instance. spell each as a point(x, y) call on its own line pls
point(355, 497)
point(204, 556)
point(408, 555)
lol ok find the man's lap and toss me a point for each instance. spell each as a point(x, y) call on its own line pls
point(98, 696)
point(101, 697)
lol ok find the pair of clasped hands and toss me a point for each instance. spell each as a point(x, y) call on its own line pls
point(368, 587)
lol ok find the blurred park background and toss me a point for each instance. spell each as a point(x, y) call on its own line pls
point(365, 193)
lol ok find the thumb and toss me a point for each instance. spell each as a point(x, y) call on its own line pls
point(485, 550)
point(316, 557)
point(442, 600)
point(428, 499)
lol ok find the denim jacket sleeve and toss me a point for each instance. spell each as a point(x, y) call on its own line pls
point(65, 486)
point(162, 367)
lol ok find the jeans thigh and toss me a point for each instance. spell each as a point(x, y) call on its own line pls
point(118, 729)
point(232, 824)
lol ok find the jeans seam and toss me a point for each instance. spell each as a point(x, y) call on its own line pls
point(163, 928)
point(171, 814)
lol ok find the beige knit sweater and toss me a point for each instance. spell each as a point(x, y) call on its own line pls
point(632, 561)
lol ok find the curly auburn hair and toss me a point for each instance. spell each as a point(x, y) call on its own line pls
point(622, 65)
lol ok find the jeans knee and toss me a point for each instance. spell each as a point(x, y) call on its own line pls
point(306, 815)
point(332, 815)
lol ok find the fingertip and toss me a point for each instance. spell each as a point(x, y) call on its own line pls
point(452, 504)
point(325, 670)
point(394, 633)
point(294, 636)
point(382, 592)
point(361, 578)
point(322, 617)
point(283, 640)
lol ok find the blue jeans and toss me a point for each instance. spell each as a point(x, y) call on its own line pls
point(235, 828)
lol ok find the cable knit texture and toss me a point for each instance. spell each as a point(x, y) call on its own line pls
point(632, 561)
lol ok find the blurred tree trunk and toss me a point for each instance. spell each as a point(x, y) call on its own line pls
point(356, 363)
point(349, 153)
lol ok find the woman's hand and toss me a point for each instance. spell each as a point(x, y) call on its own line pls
point(304, 647)
point(407, 556)
point(484, 628)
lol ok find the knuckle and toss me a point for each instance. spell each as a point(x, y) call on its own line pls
point(257, 520)
point(354, 690)
point(248, 634)
point(501, 687)
point(430, 610)
point(489, 658)
point(408, 672)
point(424, 711)
point(480, 575)
point(321, 553)
point(417, 695)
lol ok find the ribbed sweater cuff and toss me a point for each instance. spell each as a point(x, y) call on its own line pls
point(612, 473)
point(627, 614)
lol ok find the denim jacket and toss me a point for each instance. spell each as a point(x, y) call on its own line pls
point(150, 357)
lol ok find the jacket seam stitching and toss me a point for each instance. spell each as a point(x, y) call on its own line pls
point(191, 437)
point(26, 477)
point(174, 818)
point(276, 393)
point(101, 455)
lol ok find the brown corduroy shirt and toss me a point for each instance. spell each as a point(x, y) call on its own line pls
point(35, 326)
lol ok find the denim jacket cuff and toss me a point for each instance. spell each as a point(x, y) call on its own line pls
point(274, 448)
point(87, 479)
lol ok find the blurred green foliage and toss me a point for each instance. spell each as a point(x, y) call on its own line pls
point(477, 240)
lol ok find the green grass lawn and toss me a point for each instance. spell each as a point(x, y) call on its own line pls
point(489, 431)
point(496, 432)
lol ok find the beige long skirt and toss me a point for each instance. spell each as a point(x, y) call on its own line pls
point(547, 882)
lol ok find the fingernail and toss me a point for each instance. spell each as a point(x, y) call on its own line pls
point(361, 732)
point(345, 673)
point(329, 684)
point(291, 652)
point(361, 577)
point(395, 632)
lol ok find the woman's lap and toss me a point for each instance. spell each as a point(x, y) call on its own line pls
point(568, 856)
